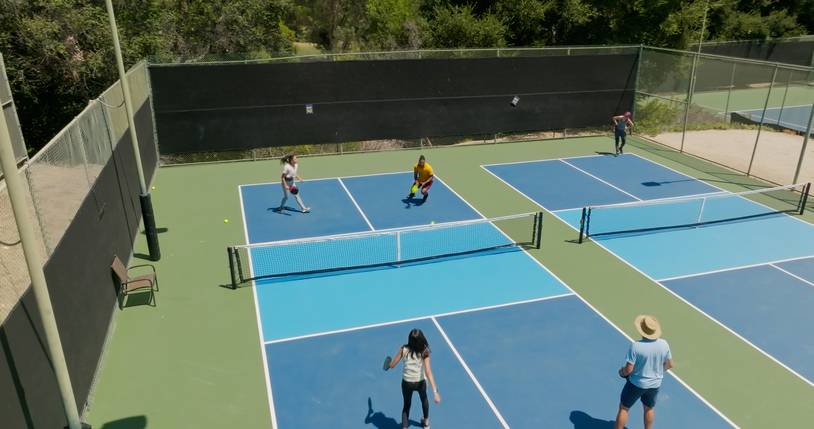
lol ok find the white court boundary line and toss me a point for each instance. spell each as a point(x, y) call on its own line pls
point(792, 274)
point(701, 398)
point(267, 375)
point(413, 319)
point(780, 261)
point(598, 243)
point(471, 375)
point(353, 200)
point(601, 180)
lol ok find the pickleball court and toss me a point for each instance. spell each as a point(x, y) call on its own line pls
point(511, 342)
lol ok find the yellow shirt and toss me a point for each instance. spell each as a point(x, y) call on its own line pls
point(424, 174)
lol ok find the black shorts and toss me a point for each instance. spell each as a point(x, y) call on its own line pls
point(631, 393)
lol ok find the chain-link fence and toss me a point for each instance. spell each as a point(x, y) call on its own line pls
point(749, 116)
point(57, 180)
point(391, 144)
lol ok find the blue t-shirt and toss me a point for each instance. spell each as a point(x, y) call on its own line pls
point(620, 126)
point(648, 357)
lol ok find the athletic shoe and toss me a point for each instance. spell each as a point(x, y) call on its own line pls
point(306, 209)
point(425, 198)
point(620, 151)
point(410, 196)
point(281, 209)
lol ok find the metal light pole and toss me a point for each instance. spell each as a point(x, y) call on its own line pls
point(691, 88)
point(144, 197)
point(16, 194)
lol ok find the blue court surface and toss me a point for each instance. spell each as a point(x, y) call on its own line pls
point(791, 117)
point(597, 180)
point(548, 363)
point(512, 346)
point(726, 269)
point(768, 305)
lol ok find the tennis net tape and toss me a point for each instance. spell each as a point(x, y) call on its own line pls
point(653, 215)
point(381, 248)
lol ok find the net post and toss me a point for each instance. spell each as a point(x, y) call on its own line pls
point(539, 228)
point(582, 224)
point(230, 251)
point(804, 198)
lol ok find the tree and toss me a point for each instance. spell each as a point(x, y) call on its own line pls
point(459, 27)
point(526, 21)
point(394, 24)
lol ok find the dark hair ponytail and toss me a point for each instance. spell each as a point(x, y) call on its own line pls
point(286, 159)
point(417, 343)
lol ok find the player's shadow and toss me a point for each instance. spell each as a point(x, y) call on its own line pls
point(380, 421)
point(582, 420)
point(413, 201)
point(604, 153)
point(287, 211)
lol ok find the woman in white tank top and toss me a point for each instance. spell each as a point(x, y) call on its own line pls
point(287, 178)
point(414, 376)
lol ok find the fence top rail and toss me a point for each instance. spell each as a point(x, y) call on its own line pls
point(731, 59)
point(91, 105)
point(161, 62)
point(805, 38)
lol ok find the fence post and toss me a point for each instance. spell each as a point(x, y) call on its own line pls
point(729, 94)
point(690, 89)
point(805, 143)
point(762, 118)
point(49, 250)
point(636, 82)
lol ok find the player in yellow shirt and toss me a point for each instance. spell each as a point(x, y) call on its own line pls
point(422, 173)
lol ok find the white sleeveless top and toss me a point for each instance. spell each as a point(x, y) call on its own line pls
point(413, 367)
point(290, 171)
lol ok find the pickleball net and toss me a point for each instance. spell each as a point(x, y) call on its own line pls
point(643, 216)
point(381, 248)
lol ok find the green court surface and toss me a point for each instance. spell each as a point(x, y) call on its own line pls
point(194, 360)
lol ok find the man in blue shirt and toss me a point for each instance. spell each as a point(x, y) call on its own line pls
point(646, 361)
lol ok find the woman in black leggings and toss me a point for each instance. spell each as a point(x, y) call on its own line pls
point(416, 372)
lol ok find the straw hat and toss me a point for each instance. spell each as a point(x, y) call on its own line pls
point(648, 326)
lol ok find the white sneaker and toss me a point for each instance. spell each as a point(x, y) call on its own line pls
point(282, 209)
point(306, 209)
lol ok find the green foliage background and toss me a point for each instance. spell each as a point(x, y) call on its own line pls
point(59, 53)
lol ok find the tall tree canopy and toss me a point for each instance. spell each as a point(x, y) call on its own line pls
point(59, 52)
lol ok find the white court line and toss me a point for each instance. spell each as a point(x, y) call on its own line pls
point(735, 268)
point(682, 174)
point(472, 376)
point(792, 274)
point(266, 373)
point(355, 204)
point(461, 198)
point(358, 328)
point(608, 321)
point(603, 181)
point(278, 182)
point(705, 314)
point(515, 189)
point(542, 160)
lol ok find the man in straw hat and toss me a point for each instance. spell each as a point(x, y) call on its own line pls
point(647, 359)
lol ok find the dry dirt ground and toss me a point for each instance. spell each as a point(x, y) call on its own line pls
point(775, 158)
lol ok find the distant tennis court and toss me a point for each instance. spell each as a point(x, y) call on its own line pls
point(792, 117)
